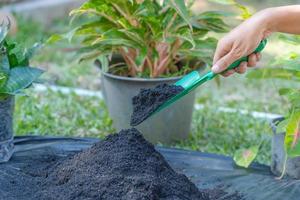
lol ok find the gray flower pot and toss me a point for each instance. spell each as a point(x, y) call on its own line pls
point(6, 128)
point(278, 155)
point(167, 126)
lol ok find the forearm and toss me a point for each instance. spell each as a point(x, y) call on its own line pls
point(284, 19)
point(243, 40)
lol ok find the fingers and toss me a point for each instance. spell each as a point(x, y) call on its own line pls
point(258, 56)
point(228, 73)
point(242, 68)
point(252, 60)
point(222, 64)
point(221, 50)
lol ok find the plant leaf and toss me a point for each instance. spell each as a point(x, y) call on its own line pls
point(180, 7)
point(281, 127)
point(4, 29)
point(245, 12)
point(104, 63)
point(244, 157)
point(291, 141)
point(54, 38)
point(16, 55)
point(19, 79)
point(214, 14)
point(141, 56)
point(29, 53)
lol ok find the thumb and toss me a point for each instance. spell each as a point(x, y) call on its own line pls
point(223, 63)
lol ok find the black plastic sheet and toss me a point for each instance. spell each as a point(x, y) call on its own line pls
point(207, 171)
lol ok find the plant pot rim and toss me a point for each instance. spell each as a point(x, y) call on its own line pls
point(175, 78)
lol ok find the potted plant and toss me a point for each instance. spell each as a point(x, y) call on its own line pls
point(285, 142)
point(15, 75)
point(142, 43)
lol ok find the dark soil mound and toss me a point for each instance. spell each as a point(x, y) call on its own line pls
point(124, 166)
point(148, 100)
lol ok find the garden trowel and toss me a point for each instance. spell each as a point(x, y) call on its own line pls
point(192, 80)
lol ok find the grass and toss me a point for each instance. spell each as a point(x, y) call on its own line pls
point(57, 114)
point(224, 133)
point(53, 113)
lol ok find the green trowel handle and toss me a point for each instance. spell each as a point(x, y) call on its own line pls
point(194, 79)
point(260, 47)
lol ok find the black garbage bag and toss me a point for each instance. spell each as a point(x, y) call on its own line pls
point(207, 171)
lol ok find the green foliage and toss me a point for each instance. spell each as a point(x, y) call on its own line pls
point(292, 39)
point(288, 68)
point(15, 73)
point(245, 12)
point(291, 141)
point(62, 115)
point(244, 157)
point(154, 38)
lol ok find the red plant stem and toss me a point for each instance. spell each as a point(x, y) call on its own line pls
point(296, 135)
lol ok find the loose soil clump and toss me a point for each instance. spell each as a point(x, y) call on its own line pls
point(148, 100)
point(124, 166)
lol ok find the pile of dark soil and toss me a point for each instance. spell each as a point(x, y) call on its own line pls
point(148, 100)
point(124, 166)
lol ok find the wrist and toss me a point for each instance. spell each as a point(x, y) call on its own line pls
point(268, 19)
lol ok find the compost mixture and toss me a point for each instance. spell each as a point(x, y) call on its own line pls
point(123, 166)
point(148, 100)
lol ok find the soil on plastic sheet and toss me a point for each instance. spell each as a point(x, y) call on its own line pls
point(123, 166)
point(148, 100)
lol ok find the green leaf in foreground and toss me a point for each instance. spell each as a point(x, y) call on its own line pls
point(291, 141)
point(4, 29)
point(54, 38)
point(19, 79)
point(182, 10)
point(244, 157)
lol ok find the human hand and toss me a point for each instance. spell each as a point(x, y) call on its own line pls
point(240, 42)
